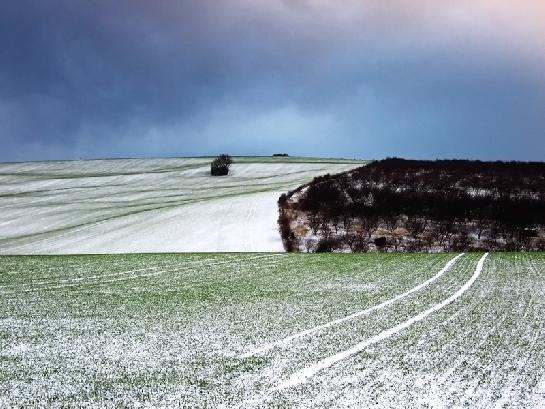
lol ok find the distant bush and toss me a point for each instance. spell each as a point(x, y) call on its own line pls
point(327, 245)
point(220, 165)
point(381, 242)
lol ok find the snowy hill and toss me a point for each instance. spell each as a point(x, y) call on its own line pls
point(148, 205)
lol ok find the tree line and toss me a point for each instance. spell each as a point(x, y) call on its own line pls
point(410, 205)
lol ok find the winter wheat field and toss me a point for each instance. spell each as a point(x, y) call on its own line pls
point(273, 330)
point(242, 330)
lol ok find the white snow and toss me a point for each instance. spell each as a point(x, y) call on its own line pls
point(148, 205)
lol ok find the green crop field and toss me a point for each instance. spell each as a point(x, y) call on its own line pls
point(273, 330)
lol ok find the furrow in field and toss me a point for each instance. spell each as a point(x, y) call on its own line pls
point(279, 363)
point(306, 373)
point(162, 339)
point(315, 294)
point(285, 341)
point(488, 353)
point(101, 279)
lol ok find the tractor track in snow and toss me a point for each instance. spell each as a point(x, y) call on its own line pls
point(308, 372)
point(284, 341)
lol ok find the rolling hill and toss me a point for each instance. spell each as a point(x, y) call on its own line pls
point(148, 205)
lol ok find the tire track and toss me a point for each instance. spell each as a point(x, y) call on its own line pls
point(308, 372)
point(284, 341)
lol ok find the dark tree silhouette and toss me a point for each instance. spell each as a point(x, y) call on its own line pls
point(411, 205)
point(220, 165)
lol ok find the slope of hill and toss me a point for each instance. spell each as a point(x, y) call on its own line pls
point(148, 205)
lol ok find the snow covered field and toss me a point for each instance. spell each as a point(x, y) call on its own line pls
point(273, 330)
point(148, 205)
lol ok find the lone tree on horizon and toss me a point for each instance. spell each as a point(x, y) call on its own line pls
point(220, 165)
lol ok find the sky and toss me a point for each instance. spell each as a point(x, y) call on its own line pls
point(354, 78)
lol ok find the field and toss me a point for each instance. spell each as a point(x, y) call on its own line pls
point(267, 330)
point(148, 205)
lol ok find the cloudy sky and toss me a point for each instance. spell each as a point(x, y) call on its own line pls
point(352, 78)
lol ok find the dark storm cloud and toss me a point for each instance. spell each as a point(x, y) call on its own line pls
point(141, 78)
